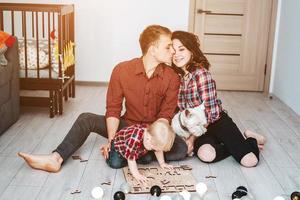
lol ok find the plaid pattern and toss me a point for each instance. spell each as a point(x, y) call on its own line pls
point(197, 87)
point(129, 141)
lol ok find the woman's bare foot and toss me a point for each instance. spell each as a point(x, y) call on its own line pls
point(261, 140)
point(49, 163)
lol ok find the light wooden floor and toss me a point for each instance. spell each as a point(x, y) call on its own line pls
point(277, 173)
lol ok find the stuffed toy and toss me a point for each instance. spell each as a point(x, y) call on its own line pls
point(190, 121)
point(6, 40)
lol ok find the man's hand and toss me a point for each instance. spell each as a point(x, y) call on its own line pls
point(166, 166)
point(105, 149)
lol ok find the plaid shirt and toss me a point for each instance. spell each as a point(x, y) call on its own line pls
point(197, 87)
point(129, 141)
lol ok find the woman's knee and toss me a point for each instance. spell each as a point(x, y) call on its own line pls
point(249, 160)
point(206, 153)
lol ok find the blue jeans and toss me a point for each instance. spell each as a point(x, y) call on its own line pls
point(116, 160)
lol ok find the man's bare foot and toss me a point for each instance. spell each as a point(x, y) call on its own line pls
point(261, 140)
point(49, 163)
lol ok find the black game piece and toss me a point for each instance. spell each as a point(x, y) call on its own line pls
point(243, 190)
point(155, 190)
point(295, 196)
point(240, 192)
point(119, 195)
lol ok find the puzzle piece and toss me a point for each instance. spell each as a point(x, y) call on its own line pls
point(176, 180)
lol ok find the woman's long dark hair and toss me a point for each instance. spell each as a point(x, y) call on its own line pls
point(191, 42)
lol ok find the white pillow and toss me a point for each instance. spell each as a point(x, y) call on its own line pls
point(32, 58)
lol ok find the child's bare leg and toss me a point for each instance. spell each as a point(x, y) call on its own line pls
point(50, 163)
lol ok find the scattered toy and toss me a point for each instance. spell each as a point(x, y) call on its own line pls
point(201, 189)
point(210, 177)
point(155, 190)
point(106, 183)
point(119, 195)
point(97, 193)
point(239, 193)
point(126, 187)
point(295, 195)
point(76, 192)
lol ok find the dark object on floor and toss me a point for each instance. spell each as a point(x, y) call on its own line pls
point(76, 157)
point(106, 183)
point(155, 190)
point(76, 192)
point(295, 196)
point(210, 177)
point(239, 193)
point(119, 195)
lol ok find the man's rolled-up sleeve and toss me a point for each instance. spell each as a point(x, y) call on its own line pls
point(114, 96)
point(169, 103)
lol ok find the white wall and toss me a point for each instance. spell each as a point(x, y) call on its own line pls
point(107, 31)
point(286, 83)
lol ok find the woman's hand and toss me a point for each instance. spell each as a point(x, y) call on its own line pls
point(166, 166)
point(190, 144)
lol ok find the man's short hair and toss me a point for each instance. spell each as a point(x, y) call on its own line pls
point(150, 35)
point(162, 135)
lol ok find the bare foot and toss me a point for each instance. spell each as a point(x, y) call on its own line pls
point(261, 140)
point(49, 163)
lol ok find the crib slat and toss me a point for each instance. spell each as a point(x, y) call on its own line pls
point(49, 47)
point(37, 44)
point(1, 20)
point(32, 23)
point(12, 22)
point(43, 24)
point(60, 45)
point(25, 40)
point(53, 21)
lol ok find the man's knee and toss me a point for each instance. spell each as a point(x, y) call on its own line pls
point(206, 153)
point(84, 115)
point(249, 160)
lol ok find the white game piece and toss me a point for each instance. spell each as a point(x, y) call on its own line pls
point(195, 196)
point(126, 187)
point(201, 188)
point(97, 193)
point(279, 198)
point(186, 195)
point(165, 197)
point(177, 197)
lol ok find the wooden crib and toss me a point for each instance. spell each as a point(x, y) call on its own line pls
point(46, 48)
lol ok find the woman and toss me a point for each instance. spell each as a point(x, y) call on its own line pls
point(223, 138)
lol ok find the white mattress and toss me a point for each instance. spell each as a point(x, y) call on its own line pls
point(44, 73)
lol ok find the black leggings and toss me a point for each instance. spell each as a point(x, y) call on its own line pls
point(227, 140)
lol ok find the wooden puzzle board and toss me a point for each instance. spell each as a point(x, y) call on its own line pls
point(176, 180)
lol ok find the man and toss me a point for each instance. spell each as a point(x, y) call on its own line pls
point(149, 88)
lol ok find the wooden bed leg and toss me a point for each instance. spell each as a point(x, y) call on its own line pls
point(66, 94)
point(70, 89)
point(55, 103)
point(51, 103)
point(60, 101)
point(73, 88)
